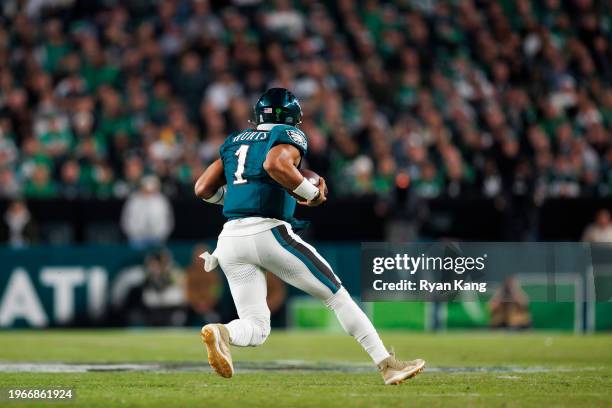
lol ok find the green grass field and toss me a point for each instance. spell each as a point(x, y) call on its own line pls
point(309, 369)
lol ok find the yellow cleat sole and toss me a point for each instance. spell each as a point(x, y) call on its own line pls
point(215, 358)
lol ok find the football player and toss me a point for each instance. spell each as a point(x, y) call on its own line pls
point(255, 180)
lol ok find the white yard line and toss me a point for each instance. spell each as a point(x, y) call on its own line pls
point(277, 365)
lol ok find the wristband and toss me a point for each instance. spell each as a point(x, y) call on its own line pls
point(218, 197)
point(306, 190)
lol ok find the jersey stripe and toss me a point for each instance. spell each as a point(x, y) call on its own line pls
point(310, 259)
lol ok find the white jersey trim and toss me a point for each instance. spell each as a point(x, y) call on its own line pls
point(267, 126)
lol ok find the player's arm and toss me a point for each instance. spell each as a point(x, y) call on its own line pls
point(281, 164)
point(210, 186)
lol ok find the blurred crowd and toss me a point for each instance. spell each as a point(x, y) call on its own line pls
point(470, 98)
point(165, 292)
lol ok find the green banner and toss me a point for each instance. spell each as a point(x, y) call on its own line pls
point(75, 286)
point(82, 286)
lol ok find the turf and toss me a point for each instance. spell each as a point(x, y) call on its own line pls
point(559, 370)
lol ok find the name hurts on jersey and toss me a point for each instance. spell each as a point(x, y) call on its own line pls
point(250, 136)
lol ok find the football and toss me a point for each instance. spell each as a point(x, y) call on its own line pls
point(313, 177)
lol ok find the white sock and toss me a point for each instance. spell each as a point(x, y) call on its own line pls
point(252, 331)
point(240, 332)
point(374, 346)
point(356, 323)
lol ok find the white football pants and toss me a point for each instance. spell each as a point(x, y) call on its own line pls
point(244, 260)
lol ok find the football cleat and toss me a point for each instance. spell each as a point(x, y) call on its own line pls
point(394, 371)
point(216, 340)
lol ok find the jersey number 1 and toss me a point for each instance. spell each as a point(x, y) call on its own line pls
point(242, 154)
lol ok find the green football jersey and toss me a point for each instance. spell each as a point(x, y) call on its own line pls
point(251, 192)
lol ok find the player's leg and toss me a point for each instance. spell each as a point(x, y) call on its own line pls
point(248, 287)
point(296, 262)
point(247, 283)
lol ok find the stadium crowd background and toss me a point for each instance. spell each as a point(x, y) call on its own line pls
point(127, 101)
point(467, 97)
